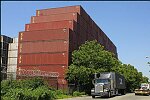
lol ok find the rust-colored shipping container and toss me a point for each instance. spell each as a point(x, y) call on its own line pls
point(72, 9)
point(54, 82)
point(67, 9)
point(90, 22)
point(59, 17)
point(72, 42)
point(100, 38)
point(49, 40)
point(45, 35)
point(43, 59)
point(55, 17)
point(52, 25)
point(44, 70)
point(83, 23)
point(82, 36)
point(75, 40)
point(43, 46)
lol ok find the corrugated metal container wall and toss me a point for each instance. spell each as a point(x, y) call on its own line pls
point(3, 53)
point(13, 53)
point(51, 25)
point(43, 58)
point(55, 34)
point(83, 23)
point(93, 25)
point(59, 10)
point(55, 17)
point(11, 74)
point(11, 68)
point(43, 46)
point(75, 41)
point(67, 9)
point(61, 69)
point(5, 45)
point(12, 61)
point(59, 17)
point(72, 41)
point(100, 38)
point(15, 40)
point(13, 46)
point(52, 81)
point(62, 84)
point(82, 35)
point(90, 22)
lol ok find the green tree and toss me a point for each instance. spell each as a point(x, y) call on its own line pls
point(92, 55)
point(144, 79)
point(90, 58)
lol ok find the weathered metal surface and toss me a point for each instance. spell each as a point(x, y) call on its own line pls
point(55, 17)
point(43, 59)
point(13, 53)
point(42, 70)
point(43, 46)
point(52, 25)
point(12, 61)
point(44, 35)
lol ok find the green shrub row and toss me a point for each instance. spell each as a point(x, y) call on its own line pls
point(30, 89)
point(76, 93)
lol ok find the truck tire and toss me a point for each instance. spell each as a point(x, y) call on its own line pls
point(93, 96)
point(123, 92)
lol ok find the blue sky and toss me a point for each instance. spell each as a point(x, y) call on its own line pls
point(127, 24)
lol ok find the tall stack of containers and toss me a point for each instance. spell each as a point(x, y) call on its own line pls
point(12, 59)
point(45, 50)
point(5, 40)
point(50, 38)
point(85, 23)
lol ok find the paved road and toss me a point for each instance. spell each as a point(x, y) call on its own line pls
point(129, 96)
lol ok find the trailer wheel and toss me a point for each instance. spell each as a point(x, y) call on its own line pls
point(135, 94)
point(123, 92)
point(93, 96)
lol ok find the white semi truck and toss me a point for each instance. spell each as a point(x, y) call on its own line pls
point(144, 89)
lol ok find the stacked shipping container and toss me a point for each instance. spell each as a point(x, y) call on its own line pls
point(12, 59)
point(48, 41)
point(45, 50)
point(5, 40)
point(86, 23)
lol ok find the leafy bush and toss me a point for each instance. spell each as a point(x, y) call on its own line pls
point(76, 93)
point(43, 93)
point(30, 89)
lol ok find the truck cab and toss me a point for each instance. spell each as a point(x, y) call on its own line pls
point(101, 87)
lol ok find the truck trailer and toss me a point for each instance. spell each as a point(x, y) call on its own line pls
point(108, 84)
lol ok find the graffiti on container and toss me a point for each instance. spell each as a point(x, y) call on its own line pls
point(24, 72)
